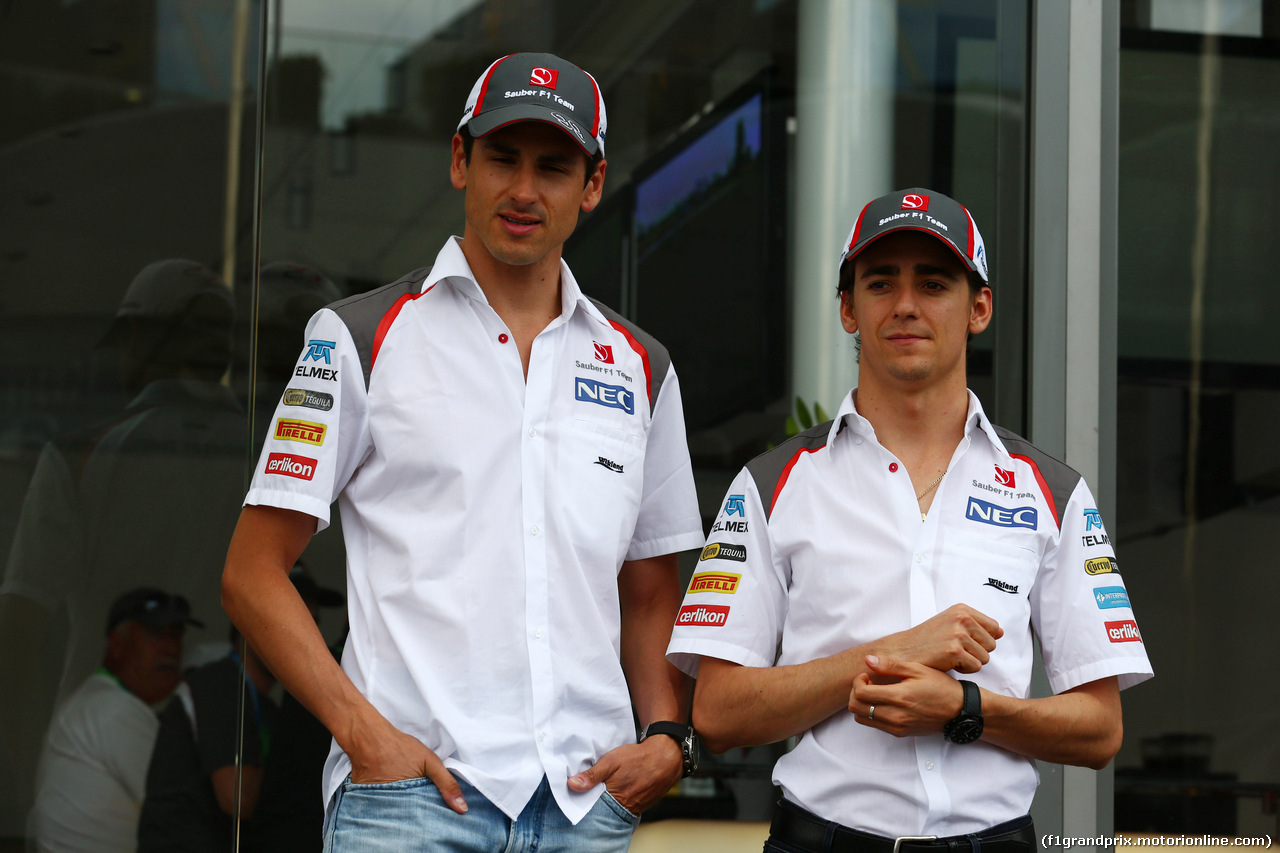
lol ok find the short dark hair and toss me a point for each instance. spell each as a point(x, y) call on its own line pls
point(592, 160)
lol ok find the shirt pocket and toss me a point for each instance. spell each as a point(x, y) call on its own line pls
point(990, 575)
point(600, 472)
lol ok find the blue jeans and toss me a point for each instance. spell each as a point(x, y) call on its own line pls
point(411, 815)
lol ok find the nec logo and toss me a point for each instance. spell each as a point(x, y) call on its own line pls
point(604, 353)
point(317, 350)
point(544, 77)
point(613, 396)
point(734, 506)
point(911, 201)
point(1005, 478)
point(703, 614)
point(989, 513)
point(1123, 632)
point(302, 467)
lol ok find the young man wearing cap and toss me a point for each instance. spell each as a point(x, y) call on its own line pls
point(888, 570)
point(511, 466)
point(94, 765)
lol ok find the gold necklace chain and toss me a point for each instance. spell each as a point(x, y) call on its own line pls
point(932, 486)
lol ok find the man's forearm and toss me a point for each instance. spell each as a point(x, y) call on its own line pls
point(1083, 726)
point(649, 598)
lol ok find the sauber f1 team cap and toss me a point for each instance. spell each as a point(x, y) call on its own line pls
point(537, 87)
point(919, 209)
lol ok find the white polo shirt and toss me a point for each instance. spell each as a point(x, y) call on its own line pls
point(486, 517)
point(820, 547)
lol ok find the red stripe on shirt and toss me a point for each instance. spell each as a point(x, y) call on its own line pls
point(384, 325)
point(644, 357)
point(1044, 487)
point(786, 472)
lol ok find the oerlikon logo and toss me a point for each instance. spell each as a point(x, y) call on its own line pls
point(544, 77)
point(302, 467)
point(911, 201)
point(703, 614)
point(1123, 632)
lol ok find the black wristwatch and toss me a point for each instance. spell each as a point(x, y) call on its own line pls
point(966, 727)
point(683, 735)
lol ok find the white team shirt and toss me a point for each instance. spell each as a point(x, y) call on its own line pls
point(820, 547)
point(486, 517)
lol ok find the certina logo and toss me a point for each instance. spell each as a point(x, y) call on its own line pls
point(326, 373)
point(608, 463)
point(570, 126)
point(989, 513)
point(544, 77)
point(725, 583)
point(1123, 632)
point(1005, 478)
point(613, 396)
point(1093, 519)
point(317, 350)
point(1109, 597)
point(911, 201)
point(603, 353)
point(307, 432)
point(724, 551)
point(734, 506)
point(996, 583)
point(302, 467)
point(703, 614)
point(1101, 566)
point(310, 399)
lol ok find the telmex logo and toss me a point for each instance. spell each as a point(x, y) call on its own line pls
point(317, 350)
point(302, 467)
point(734, 506)
point(310, 399)
point(1123, 632)
point(703, 614)
point(723, 582)
point(911, 201)
point(1005, 478)
point(1101, 566)
point(989, 513)
point(724, 551)
point(613, 396)
point(544, 77)
point(307, 432)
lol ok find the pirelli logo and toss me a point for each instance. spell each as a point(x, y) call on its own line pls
point(724, 551)
point(1101, 566)
point(723, 582)
point(703, 614)
point(306, 432)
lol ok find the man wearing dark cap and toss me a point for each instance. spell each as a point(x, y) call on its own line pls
point(510, 461)
point(93, 768)
point(871, 585)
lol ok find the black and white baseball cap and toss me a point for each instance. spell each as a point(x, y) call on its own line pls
point(537, 87)
point(919, 209)
point(152, 607)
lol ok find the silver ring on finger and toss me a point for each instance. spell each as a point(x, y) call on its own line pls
point(871, 715)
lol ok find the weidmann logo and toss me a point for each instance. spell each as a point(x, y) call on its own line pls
point(544, 77)
point(1123, 632)
point(911, 201)
point(302, 467)
point(703, 614)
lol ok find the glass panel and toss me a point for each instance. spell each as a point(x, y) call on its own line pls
point(123, 444)
point(1199, 389)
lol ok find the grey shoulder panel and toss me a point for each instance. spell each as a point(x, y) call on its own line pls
point(655, 353)
point(771, 468)
point(364, 312)
point(1060, 478)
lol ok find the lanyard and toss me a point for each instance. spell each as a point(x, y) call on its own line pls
point(264, 737)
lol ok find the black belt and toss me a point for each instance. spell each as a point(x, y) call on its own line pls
point(799, 828)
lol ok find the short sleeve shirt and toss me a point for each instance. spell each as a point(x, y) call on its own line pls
point(820, 546)
point(486, 515)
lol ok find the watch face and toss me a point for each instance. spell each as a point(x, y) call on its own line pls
point(963, 730)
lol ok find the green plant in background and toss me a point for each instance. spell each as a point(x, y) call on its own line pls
point(802, 419)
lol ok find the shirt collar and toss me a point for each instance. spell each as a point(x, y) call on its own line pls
point(975, 421)
point(451, 264)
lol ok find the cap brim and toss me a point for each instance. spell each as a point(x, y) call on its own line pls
point(853, 253)
point(491, 120)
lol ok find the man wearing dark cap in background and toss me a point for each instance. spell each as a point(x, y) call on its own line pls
point(873, 583)
point(93, 769)
point(510, 462)
point(148, 498)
